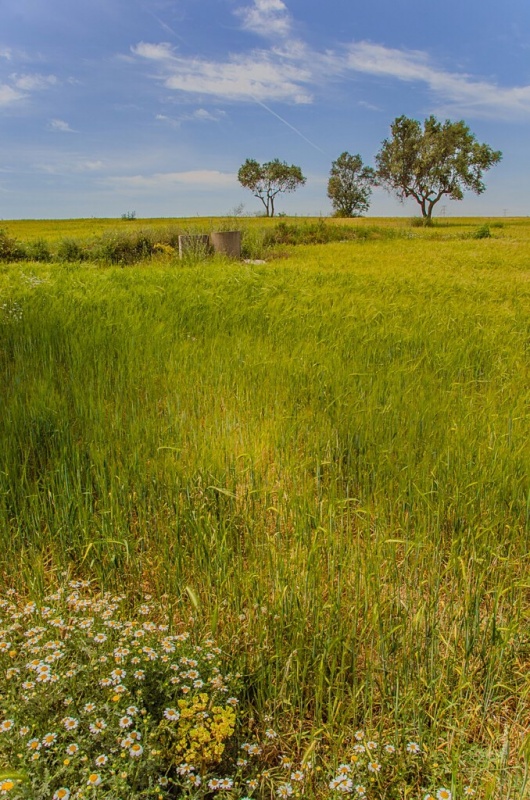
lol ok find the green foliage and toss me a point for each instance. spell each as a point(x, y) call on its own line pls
point(350, 186)
point(483, 232)
point(10, 248)
point(426, 164)
point(38, 250)
point(70, 250)
point(267, 180)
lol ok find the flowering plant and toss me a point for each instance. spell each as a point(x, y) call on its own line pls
point(91, 699)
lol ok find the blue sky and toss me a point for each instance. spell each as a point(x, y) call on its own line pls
point(152, 105)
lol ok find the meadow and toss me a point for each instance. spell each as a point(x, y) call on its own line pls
point(322, 461)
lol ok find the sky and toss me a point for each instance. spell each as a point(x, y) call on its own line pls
point(150, 107)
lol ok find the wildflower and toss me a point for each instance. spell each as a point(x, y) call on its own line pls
point(298, 775)
point(132, 710)
point(6, 725)
point(252, 784)
point(468, 791)
point(89, 708)
point(70, 723)
point(93, 779)
point(33, 744)
point(413, 747)
point(284, 790)
point(23, 731)
point(343, 769)
point(443, 794)
point(214, 784)
point(195, 780)
point(99, 638)
point(136, 750)
point(270, 733)
point(232, 701)
point(6, 786)
point(125, 722)
point(101, 760)
point(72, 749)
point(163, 781)
point(359, 735)
point(97, 727)
point(226, 784)
point(371, 745)
point(118, 675)
point(374, 766)
point(49, 739)
point(360, 789)
point(389, 748)
point(359, 748)
point(61, 794)
point(139, 675)
point(171, 714)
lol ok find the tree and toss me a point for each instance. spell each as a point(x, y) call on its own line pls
point(350, 185)
point(266, 181)
point(442, 159)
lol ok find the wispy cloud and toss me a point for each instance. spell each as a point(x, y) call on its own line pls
point(261, 74)
point(202, 179)
point(33, 82)
point(268, 18)
point(199, 115)
point(60, 126)
point(8, 95)
point(458, 91)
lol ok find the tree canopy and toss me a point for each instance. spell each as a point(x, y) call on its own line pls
point(350, 185)
point(267, 180)
point(443, 158)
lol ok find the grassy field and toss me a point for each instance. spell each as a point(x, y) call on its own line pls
point(323, 459)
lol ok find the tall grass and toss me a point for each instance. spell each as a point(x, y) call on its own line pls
point(323, 459)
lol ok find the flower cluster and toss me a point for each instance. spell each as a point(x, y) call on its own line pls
point(90, 699)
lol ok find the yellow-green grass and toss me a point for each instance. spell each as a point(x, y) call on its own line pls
point(54, 230)
point(324, 459)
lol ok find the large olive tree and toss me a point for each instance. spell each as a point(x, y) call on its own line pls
point(442, 158)
point(266, 181)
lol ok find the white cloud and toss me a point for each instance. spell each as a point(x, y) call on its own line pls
point(461, 92)
point(269, 18)
point(9, 95)
point(261, 75)
point(199, 115)
point(60, 125)
point(33, 82)
point(203, 179)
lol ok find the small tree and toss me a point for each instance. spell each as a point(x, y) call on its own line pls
point(266, 181)
point(442, 159)
point(350, 185)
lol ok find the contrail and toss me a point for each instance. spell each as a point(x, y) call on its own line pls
point(274, 114)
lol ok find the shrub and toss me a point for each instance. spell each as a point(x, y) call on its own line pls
point(70, 250)
point(483, 232)
point(38, 251)
point(10, 248)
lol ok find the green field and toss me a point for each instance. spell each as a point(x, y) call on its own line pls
point(323, 459)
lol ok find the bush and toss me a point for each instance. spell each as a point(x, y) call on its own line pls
point(10, 248)
point(38, 251)
point(70, 250)
point(482, 233)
